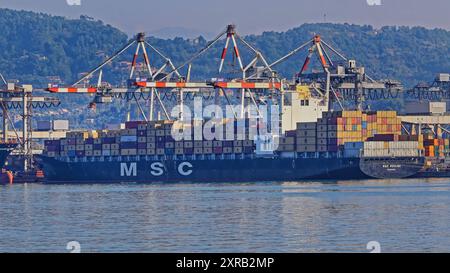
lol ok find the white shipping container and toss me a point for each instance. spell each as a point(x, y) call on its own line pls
point(106, 153)
point(374, 145)
point(60, 125)
point(443, 77)
point(112, 126)
point(392, 152)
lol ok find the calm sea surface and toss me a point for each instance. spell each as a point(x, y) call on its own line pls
point(402, 215)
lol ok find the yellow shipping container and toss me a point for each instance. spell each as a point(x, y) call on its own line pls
point(94, 134)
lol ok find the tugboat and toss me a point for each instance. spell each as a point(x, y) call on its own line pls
point(6, 177)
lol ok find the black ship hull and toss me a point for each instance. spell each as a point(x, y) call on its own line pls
point(392, 167)
point(148, 170)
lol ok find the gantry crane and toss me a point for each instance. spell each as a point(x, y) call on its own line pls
point(21, 96)
point(173, 80)
point(342, 78)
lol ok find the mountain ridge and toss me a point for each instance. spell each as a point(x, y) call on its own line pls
point(65, 48)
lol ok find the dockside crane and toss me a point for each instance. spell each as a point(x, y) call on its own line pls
point(172, 80)
point(17, 96)
point(341, 78)
point(437, 90)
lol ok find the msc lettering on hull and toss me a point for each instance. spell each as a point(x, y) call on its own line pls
point(156, 169)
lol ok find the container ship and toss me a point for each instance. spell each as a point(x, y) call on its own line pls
point(335, 145)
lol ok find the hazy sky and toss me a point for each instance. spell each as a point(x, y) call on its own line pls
point(251, 16)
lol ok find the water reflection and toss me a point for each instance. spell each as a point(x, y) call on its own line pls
point(403, 215)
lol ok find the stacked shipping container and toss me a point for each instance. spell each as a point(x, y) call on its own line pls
point(391, 149)
point(350, 132)
point(436, 147)
point(331, 132)
point(151, 138)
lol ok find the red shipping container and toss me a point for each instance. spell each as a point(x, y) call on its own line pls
point(387, 137)
point(133, 124)
point(142, 145)
point(218, 150)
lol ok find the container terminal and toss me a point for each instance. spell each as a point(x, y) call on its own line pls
point(326, 128)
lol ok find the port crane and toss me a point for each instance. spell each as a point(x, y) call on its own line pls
point(342, 77)
point(157, 81)
point(437, 90)
point(16, 96)
point(340, 81)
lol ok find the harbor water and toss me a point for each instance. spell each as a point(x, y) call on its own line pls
point(401, 215)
